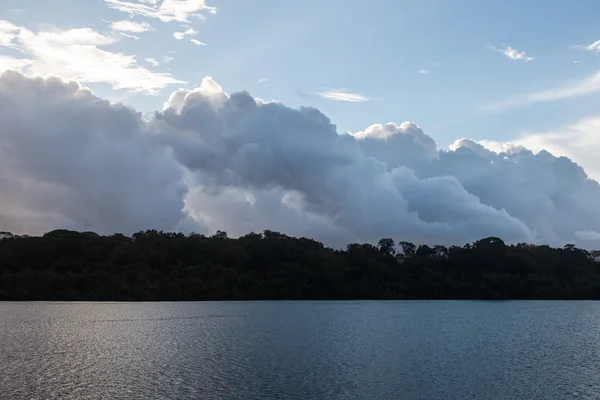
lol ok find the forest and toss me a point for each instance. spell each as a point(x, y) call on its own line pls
point(154, 265)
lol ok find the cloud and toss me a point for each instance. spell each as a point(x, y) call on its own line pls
point(9, 32)
point(343, 95)
point(71, 160)
point(130, 26)
point(578, 141)
point(263, 80)
point(588, 85)
point(387, 180)
point(249, 165)
point(130, 36)
point(7, 62)
point(589, 47)
point(169, 10)
point(428, 70)
point(303, 95)
point(155, 63)
point(77, 54)
point(239, 211)
point(552, 195)
point(512, 54)
point(152, 61)
point(397, 145)
point(197, 42)
point(187, 32)
point(589, 235)
point(236, 141)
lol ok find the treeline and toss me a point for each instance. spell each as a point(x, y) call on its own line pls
point(152, 265)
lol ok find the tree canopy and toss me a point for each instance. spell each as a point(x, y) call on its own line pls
point(153, 265)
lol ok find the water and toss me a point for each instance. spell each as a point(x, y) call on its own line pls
point(300, 350)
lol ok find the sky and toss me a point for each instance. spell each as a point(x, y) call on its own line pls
point(488, 76)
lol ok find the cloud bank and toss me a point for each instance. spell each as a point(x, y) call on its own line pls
point(212, 160)
point(69, 159)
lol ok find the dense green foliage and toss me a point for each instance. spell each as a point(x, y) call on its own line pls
point(151, 265)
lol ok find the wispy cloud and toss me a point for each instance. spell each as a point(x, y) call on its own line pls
point(427, 70)
point(582, 87)
point(9, 32)
point(197, 42)
point(512, 54)
point(183, 34)
point(576, 62)
point(129, 36)
point(303, 95)
point(578, 141)
point(155, 63)
point(589, 47)
point(79, 54)
point(130, 26)
point(152, 61)
point(169, 10)
point(263, 80)
point(343, 95)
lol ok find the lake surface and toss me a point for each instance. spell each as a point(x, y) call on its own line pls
point(301, 350)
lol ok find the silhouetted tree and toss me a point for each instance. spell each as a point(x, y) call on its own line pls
point(386, 246)
point(156, 265)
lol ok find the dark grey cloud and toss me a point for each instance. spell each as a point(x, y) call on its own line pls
point(70, 158)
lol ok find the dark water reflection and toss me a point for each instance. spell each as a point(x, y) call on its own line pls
point(300, 350)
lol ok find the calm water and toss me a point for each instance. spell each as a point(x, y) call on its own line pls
point(300, 350)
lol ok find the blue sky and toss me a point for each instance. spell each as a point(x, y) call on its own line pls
point(375, 49)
